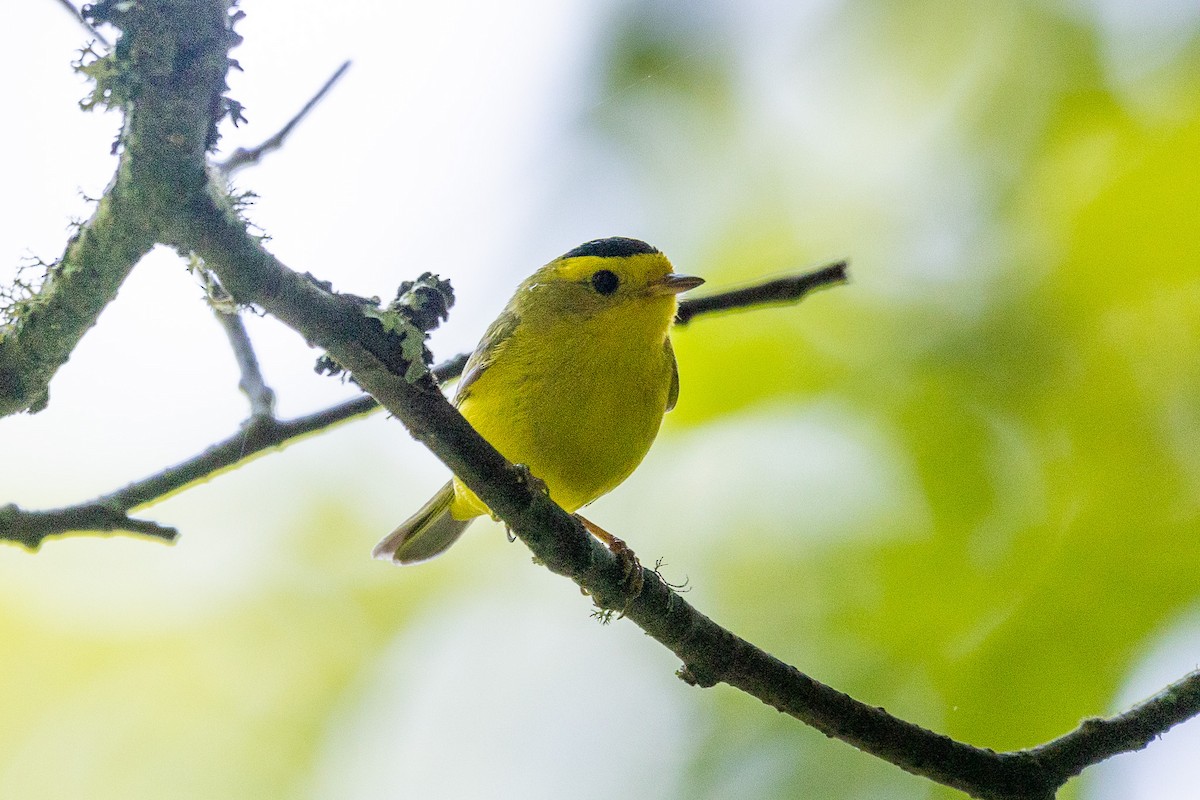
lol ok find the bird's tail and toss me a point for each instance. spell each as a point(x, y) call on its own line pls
point(426, 533)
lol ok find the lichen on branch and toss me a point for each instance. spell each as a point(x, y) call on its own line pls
point(420, 306)
point(167, 74)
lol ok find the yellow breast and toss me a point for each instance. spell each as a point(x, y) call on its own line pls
point(577, 400)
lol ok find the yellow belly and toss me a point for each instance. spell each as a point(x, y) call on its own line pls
point(580, 414)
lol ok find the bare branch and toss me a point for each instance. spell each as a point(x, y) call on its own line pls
point(789, 289)
point(261, 396)
point(242, 158)
point(1098, 739)
point(30, 528)
point(74, 12)
point(255, 437)
point(251, 381)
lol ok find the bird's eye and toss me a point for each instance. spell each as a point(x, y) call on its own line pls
point(605, 281)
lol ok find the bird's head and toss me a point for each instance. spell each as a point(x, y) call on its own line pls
point(618, 274)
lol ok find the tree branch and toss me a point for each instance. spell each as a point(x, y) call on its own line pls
point(200, 218)
point(30, 528)
point(1098, 739)
point(74, 12)
point(187, 97)
point(251, 382)
point(262, 432)
point(242, 158)
point(789, 289)
point(41, 331)
point(258, 434)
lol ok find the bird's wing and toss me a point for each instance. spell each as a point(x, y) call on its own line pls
point(490, 346)
point(673, 392)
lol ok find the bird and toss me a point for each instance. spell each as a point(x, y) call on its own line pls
point(571, 381)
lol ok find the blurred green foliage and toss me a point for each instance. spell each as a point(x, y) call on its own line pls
point(1021, 338)
point(1045, 394)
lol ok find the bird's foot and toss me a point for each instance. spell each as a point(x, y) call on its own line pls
point(534, 483)
point(631, 568)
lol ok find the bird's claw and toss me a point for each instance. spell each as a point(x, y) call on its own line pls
point(632, 580)
point(535, 484)
point(526, 477)
point(631, 570)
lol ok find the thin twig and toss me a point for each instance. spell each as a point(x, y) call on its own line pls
point(1098, 739)
point(789, 289)
point(30, 528)
point(107, 512)
point(242, 157)
point(74, 12)
point(251, 382)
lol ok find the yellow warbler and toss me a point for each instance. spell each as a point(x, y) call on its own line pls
point(572, 380)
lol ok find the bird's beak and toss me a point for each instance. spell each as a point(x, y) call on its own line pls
point(674, 283)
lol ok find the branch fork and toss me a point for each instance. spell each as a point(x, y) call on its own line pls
point(166, 192)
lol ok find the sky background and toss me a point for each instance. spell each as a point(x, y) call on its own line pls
point(965, 487)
